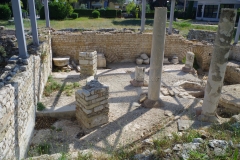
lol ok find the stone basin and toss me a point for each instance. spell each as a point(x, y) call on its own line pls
point(61, 61)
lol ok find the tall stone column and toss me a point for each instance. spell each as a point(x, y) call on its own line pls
point(17, 13)
point(171, 17)
point(218, 65)
point(157, 55)
point(143, 15)
point(46, 9)
point(33, 22)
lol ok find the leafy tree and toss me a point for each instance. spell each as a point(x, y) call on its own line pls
point(130, 7)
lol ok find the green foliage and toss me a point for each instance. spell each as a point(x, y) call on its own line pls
point(130, 7)
point(5, 12)
point(95, 14)
point(84, 156)
point(83, 12)
point(43, 148)
point(3, 53)
point(182, 24)
point(64, 156)
point(51, 86)
point(40, 106)
point(107, 13)
point(69, 88)
point(57, 10)
point(74, 15)
point(119, 13)
point(197, 155)
point(111, 13)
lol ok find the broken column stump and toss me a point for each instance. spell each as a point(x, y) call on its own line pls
point(139, 77)
point(189, 63)
point(88, 63)
point(92, 104)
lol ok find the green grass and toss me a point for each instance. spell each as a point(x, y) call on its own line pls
point(90, 23)
point(51, 86)
point(43, 148)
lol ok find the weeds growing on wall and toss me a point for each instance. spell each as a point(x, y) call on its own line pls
point(51, 86)
point(40, 106)
point(43, 148)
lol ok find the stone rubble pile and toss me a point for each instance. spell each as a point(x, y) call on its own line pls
point(92, 104)
point(143, 59)
point(88, 63)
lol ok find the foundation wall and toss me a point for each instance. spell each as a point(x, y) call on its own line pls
point(21, 87)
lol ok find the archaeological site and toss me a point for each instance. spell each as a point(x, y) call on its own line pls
point(119, 93)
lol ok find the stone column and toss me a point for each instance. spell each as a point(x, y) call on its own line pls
point(17, 13)
point(46, 9)
point(143, 15)
point(33, 22)
point(171, 17)
point(189, 62)
point(157, 53)
point(218, 65)
point(237, 33)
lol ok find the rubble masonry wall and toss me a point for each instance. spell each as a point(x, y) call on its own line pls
point(21, 89)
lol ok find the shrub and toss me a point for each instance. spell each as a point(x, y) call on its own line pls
point(111, 13)
point(119, 13)
point(83, 12)
point(5, 12)
point(57, 10)
point(95, 14)
point(74, 15)
point(40, 106)
point(130, 7)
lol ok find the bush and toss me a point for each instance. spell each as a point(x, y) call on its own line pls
point(119, 13)
point(74, 15)
point(84, 12)
point(5, 12)
point(57, 10)
point(95, 14)
point(111, 13)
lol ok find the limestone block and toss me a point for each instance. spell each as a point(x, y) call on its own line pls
point(101, 61)
point(146, 61)
point(139, 61)
point(189, 59)
point(139, 73)
point(144, 56)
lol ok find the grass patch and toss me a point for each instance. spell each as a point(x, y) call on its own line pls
point(51, 86)
point(69, 88)
point(84, 156)
point(40, 106)
point(43, 148)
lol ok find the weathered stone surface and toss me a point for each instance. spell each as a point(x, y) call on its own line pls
point(230, 98)
point(184, 124)
point(144, 56)
point(232, 73)
point(92, 104)
point(88, 63)
point(61, 61)
point(139, 73)
point(139, 61)
point(146, 61)
point(101, 61)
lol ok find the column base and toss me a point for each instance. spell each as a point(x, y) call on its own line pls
point(209, 118)
point(148, 103)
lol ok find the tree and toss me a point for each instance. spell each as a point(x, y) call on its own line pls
point(157, 3)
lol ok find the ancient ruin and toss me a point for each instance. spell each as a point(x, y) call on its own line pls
point(67, 94)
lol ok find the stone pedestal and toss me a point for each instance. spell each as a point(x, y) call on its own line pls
point(189, 62)
point(92, 104)
point(101, 60)
point(88, 63)
point(139, 77)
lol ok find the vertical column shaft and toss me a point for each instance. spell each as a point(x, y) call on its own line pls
point(143, 15)
point(46, 9)
point(17, 13)
point(33, 22)
point(157, 53)
point(171, 17)
point(219, 61)
point(237, 33)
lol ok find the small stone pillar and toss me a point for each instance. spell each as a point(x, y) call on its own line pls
point(101, 61)
point(88, 63)
point(92, 104)
point(139, 77)
point(189, 62)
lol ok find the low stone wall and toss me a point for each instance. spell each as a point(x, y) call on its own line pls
point(232, 74)
point(88, 63)
point(201, 35)
point(126, 47)
point(21, 88)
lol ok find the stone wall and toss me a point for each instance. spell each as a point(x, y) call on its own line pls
point(201, 35)
point(126, 47)
point(21, 88)
point(232, 74)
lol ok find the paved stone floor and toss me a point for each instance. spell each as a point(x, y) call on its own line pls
point(128, 121)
